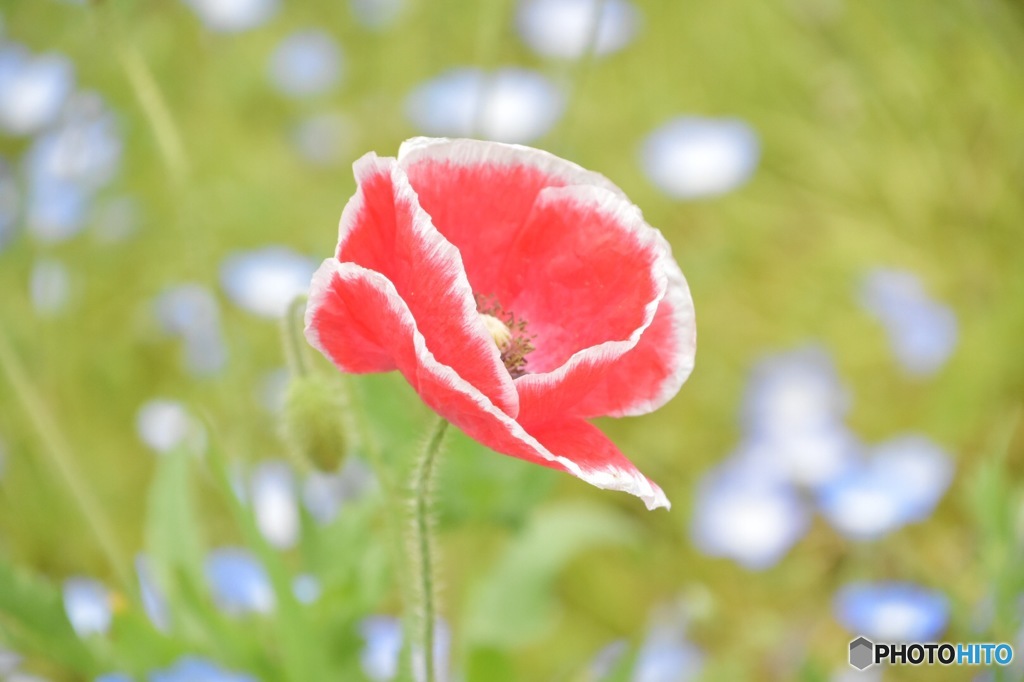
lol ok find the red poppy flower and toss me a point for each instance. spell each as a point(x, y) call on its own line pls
point(518, 293)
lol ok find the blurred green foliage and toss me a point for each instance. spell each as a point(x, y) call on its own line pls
point(892, 134)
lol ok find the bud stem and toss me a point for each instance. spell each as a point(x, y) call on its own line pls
point(293, 342)
point(422, 541)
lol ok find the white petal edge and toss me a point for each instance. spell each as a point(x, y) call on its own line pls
point(671, 287)
point(632, 482)
point(449, 258)
point(468, 152)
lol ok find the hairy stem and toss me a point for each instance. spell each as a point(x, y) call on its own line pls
point(422, 541)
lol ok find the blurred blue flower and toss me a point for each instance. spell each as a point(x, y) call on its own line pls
point(325, 493)
point(153, 601)
point(892, 611)
point(900, 483)
point(84, 150)
point(10, 202)
point(382, 636)
point(921, 331)
point(376, 14)
point(691, 157)
point(667, 655)
point(49, 286)
point(323, 139)
point(10, 661)
point(809, 458)
point(306, 63)
point(192, 669)
point(794, 392)
point(87, 605)
point(65, 167)
point(33, 90)
point(164, 425)
point(272, 495)
point(265, 281)
point(238, 581)
point(233, 16)
point(745, 516)
point(562, 28)
point(190, 311)
point(306, 588)
point(509, 105)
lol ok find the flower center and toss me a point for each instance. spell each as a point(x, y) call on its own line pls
point(509, 334)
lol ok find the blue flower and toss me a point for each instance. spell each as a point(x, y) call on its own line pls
point(667, 655)
point(192, 669)
point(67, 165)
point(509, 105)
point(691, 157)
point(33, 90)
point(810, 458)
point(306, 63)
point(274, 503)
point(892, 611)
point(921, 331)
point(233, 16)
point(164, 425)
point(382, 636)
point(238, 581)
point(87, 605)
point(306, 588)
point(267, 280)
point(796, 391)
point(191, 312)
point(900, 483)
point(562, 28)
point(746, 516)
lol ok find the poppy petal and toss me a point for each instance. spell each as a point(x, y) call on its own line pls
point(613, 320)
point(384, 229)
point(480, 193)
point(351, 306)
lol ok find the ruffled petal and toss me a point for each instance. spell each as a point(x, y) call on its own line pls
point(346, 296)
point(384, 229)
point(613, 317)
point(480, 193)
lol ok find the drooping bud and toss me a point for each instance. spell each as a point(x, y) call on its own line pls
point(312, 421)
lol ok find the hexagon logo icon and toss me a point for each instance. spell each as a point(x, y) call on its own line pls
point(862, 653)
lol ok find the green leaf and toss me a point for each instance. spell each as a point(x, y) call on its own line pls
point(33, 621)
point(513, 604)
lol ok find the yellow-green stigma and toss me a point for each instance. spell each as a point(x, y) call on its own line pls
point(509, 334)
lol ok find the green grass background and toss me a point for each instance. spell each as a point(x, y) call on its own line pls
point(892, 134)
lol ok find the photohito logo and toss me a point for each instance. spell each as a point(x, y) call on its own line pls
point(864, 653)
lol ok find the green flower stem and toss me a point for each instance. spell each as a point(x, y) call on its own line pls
point(422, 541)
point(56, 448)
point(293, 341)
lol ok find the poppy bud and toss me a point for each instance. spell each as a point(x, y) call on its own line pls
point(312, 421)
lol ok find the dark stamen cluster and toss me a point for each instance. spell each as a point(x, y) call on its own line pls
point(514, 352)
